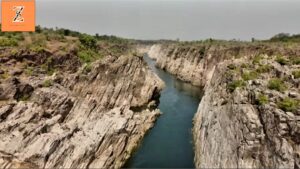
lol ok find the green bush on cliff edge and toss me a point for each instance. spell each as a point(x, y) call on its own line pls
point(262, 99)
point(296, 74)
point(8, 42)
point(288, 104)
point(277, 84)
point(235, 84)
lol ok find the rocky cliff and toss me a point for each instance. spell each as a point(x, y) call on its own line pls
point(249, 115)
point(195, 62)
point(89, 116)
point(185, 63)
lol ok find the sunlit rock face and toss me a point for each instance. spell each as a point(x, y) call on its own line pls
point(247, 127)
point(87, 119)
point(241, 121)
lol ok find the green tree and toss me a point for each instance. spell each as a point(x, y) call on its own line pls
point(88, 41)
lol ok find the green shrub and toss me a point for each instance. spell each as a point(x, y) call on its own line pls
point(88, 41)
point(24, 98)
point(284, 37)
point(29, 71)
point(249, 75)
point(44, 67)
point(14, 51)
point(57, 37)
point(47, 83)
point(231, 66)
point(257, 59)
point(117, 50)
point(88, 55)
point(18, 37)
point(38, 29)
point(112, 39)
point(295, 60)
point(277, 84)
point(38, 40)
point(8, 42)
point(37, 48)
point(264, 68)
point(244, 65)
point(202, 51)
point(262, 99)
point(85, 56)
point(47, 66)
point(4, 75)
point(235, 84)
point(281, 37)
point(296, 74)
point(288, 104)
point(281, 60)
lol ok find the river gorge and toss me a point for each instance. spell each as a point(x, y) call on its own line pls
point(99, 103)
point(169, 143)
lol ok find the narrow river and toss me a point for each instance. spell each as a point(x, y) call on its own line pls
point(169, 143)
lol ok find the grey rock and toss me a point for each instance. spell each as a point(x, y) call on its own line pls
point(294, 94)
point(81, 122)
point(237, 133)
point(16, 71)
point(243, 135)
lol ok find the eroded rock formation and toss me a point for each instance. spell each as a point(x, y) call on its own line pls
point(195, 63)
point(247, 127)
point(242, 121)
point(92, 118)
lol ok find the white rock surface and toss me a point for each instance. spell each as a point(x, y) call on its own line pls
point(92, 120)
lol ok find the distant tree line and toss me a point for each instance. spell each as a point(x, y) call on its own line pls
point(285, 37)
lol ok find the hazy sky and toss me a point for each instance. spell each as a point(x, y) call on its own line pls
point(171, 19)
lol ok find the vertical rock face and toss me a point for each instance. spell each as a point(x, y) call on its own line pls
point(241, 121)
point(247, 127)
point(89, 119)
point(184, 62)
point(195, 63)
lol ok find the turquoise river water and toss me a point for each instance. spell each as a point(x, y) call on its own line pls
point(169, 143)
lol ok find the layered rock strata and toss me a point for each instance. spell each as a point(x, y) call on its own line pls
point(252, 126)
point(242, 121)
point(195, 63)
point(93, 118)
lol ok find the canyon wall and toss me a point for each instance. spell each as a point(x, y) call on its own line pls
point(241, 122)
point(92, 118)
point(195, 63)
point(185, 63)
point(247, 127)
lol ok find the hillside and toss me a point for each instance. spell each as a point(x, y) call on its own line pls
point(72, 100)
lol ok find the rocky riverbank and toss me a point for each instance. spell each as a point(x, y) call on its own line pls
point(56, 112)
point(195, 62)
point(70, 100)
point(249, 115)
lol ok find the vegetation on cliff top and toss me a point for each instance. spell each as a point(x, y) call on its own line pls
point(289, 104)
point(273, 79)
point(262, 99)
point(49, 50)
point(43, 38)
point(277, 84)
point(285, 37)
